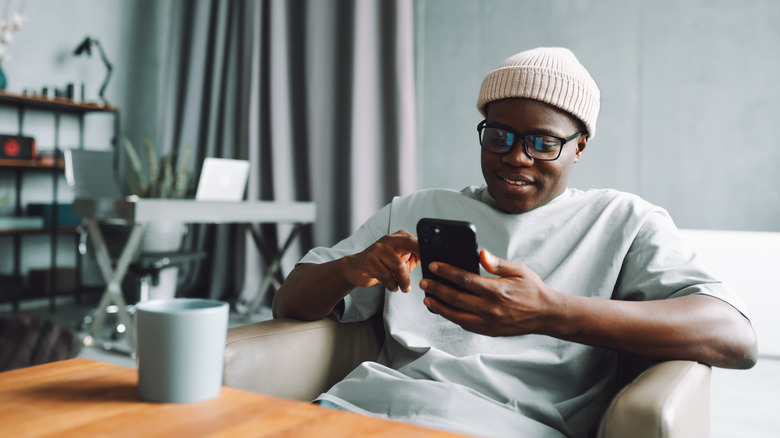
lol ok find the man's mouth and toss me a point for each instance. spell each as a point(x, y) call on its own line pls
point(515, 182)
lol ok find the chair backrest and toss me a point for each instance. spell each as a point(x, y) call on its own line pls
point(90, 174)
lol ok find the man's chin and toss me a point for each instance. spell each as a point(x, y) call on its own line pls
point(515, 210)
point(514, 206)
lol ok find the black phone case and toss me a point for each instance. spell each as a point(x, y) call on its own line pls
point(448, 241)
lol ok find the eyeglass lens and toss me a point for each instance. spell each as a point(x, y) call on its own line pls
point(543, 147)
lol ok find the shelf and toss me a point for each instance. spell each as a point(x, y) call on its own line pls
point(43, 230)
point(49, 165)
point(46, 163)
point(57, 103)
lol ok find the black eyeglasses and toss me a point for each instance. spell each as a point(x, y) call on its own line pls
point(537, 146)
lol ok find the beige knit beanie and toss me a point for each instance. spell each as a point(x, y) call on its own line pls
point(549, 74)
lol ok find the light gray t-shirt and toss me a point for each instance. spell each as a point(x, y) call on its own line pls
point(598, 243)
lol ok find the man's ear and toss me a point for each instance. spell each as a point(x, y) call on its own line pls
point(582, 143)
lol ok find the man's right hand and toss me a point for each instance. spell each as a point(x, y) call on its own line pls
point(312, 291)
point(388, 261)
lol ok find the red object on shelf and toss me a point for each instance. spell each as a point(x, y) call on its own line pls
point(17, 147)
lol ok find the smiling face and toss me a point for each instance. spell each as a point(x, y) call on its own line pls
point(517, 182)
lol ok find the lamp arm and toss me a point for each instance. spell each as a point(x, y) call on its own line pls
point(109, 69)
point(102, 54)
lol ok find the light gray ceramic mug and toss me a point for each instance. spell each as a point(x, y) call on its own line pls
point(181, 344)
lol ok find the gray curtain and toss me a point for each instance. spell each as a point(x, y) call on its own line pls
point(318, 95)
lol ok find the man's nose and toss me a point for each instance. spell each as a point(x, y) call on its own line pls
point(517, 157)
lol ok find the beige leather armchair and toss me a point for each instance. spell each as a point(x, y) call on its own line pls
point(300, 360)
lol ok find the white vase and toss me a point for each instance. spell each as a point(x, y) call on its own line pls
point(160, 237)
point(166, 285)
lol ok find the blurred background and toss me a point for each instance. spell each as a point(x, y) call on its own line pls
point(690, 96)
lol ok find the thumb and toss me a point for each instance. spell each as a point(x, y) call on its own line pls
point(497, 266)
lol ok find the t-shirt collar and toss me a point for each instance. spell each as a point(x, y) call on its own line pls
point(485, 197)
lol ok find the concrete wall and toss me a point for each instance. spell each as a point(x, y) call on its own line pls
point(690, 97)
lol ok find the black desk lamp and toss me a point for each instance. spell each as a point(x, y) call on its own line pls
point(86, 46)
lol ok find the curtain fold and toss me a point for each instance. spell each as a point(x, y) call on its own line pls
point(318, 96)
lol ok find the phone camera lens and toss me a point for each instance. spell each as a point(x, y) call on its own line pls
point(436, 240)
point(426, 231)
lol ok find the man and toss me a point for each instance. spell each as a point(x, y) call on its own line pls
point(570, 278)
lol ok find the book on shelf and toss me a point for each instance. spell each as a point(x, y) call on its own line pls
point(20, 222)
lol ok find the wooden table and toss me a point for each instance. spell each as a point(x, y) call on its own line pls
point(85, 398)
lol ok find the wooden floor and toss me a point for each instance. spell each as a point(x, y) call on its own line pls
point(744, 403)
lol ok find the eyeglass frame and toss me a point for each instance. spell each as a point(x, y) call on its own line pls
point(483, 124)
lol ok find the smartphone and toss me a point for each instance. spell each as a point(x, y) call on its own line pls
point(447, 241)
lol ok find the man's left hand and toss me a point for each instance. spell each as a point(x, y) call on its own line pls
point(516, 303)
point(692, 327)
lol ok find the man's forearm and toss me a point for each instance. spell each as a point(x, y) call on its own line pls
point(312, 291)
point(695, 327)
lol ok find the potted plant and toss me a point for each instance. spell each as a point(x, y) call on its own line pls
point(7, 29)
point(158, 179)
point(165, 177)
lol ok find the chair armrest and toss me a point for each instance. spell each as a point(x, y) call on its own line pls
point(296, 359)
point(670, 399)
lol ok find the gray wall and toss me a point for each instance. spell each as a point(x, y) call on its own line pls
point(690, 97)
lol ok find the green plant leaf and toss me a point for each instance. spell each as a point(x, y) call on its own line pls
point(166, 179)
point(182, 175)
point(135, 187)
point(157, 179)
point(135, 162)
point(151, 160)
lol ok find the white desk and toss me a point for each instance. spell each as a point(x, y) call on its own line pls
point(189, 210)
point(138, 212)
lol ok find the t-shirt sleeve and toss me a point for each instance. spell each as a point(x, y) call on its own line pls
point(661, 265)
point(361, 303)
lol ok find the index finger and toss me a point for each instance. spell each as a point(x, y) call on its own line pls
point(406, 258)
point(461, 278)
point(405, 240)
